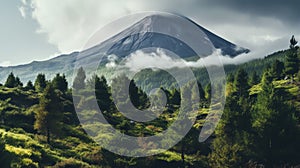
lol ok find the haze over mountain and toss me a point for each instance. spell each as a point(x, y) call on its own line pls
point(144, 35)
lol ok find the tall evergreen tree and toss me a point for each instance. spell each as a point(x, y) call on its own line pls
point(175, 97)
point(253, 79)
point(103, 94)
point(49, 115)
point(231, 147)
point(230, 78)
point(79, 81)
point(18, 82)
point(277, 69)
point(201, 92)
point(40, 83)
point(274, 125)
point(10, 81)
point(233, 139)
point(125, 90)
point(292, 60)
point(241, 83)
point(60, 83)
point(29, 85)
point(157, 97)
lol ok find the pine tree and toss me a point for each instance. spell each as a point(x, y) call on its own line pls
point(277, 69)
point(201, 92)
point(79, 81)
point(18, 82)
point(49, 115)
point(29, 85)
point(103, 94)
point(157, 98)
point(186, 98)
point(241, 83)
point(40, 83)
point(274, 125)
point(254, 79)
point(230, 78)
point(292, 60)
point(175, 97)
point(232, 143)
point(10, 81)
point(126, 91)
point(60, 83)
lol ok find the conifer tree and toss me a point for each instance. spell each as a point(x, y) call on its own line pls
point(253, 79)
point(60, 83)
point(125, 90)
point(29, 85)
point(79, 81)
point(292, 60)
point(48, 114)
point(18, 82)
point(231, 147)
point(275, 126)
point(175, 97)
point(277, 69)
point(10, 81)
point(241, 83)
point(40, 83)
point(103, 94)
point(201, 92)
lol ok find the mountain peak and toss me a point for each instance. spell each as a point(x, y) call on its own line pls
point(166, 31)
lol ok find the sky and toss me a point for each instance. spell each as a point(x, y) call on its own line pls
point(42, 29)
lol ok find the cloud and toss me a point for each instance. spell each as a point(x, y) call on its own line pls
point(69, 24)
point(22, 10)
point(111, 61)
point(5, 64)
point(159, 59)
point(286, 12)
point(24, 2)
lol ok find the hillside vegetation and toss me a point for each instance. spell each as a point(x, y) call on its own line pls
point(260, 125)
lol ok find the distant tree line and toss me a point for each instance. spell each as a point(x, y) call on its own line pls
point(256, 130)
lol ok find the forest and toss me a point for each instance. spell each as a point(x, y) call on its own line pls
point(260, 125)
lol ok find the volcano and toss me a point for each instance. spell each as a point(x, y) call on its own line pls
point(147, 33)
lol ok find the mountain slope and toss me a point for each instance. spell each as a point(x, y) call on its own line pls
point(145, 35)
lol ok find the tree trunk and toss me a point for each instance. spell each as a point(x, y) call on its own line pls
point(182, 154)
point(48, 136)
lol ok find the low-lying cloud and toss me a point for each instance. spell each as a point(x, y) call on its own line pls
point(161, 60)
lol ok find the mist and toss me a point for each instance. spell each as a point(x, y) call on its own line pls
point(162, 59)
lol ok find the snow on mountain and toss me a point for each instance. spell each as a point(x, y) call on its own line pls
point(149, 32)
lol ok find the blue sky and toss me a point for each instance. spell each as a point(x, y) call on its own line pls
point(40, 29)
point(20, 43)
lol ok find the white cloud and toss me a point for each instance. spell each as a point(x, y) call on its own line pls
point(69, 24)
point(24, 2)
point(111, 61)
point(159, 59)
point(5, 64)
point(22, 11)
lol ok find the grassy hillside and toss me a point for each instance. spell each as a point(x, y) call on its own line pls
point(22, 145)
